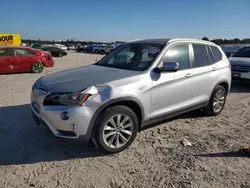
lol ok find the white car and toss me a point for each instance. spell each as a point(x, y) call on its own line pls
point(240, 63)
point(61, 46)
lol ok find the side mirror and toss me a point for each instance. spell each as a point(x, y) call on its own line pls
point(169, 67)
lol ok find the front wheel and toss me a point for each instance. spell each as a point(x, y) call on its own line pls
point(217, 101)
point(37, 68)
point(116, 129)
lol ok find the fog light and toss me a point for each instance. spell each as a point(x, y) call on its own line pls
point(64, 116)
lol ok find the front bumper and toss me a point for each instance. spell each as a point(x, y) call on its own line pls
point(241, 76)
point(74, 127)
point(48, 62)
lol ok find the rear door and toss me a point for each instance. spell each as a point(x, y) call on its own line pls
point(5, 61)
point(23, 59)
point(205, 73)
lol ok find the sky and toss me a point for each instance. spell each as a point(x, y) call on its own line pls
point(112, 20)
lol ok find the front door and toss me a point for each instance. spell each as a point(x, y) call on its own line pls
point(6, 65)
point(172, 90)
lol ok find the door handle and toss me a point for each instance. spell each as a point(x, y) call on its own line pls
point(214, 69)
point(188, 75)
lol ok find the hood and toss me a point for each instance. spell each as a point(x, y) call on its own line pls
point(77, 79)
point(239, 61)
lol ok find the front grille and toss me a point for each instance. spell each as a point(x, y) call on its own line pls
point(241, 68)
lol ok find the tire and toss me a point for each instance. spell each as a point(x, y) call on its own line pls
point(60, 55)
point(218, 97)
point(37, 67)
point(117, 139)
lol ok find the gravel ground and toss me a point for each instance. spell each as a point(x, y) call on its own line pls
point(30, 156)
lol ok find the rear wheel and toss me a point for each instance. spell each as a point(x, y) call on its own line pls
point(116, 129)
point(217, 101)
point(102, 52)
point(60, 54)
point(37, 68)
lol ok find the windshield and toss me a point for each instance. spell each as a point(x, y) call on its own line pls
point(135, 56)
point(244, 52)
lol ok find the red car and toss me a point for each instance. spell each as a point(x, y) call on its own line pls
point(23, 59)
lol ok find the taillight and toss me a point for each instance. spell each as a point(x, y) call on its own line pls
point(230, 67)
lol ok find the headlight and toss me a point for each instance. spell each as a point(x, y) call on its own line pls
point(69, 99)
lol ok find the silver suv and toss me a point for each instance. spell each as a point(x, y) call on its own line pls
point(137, 84)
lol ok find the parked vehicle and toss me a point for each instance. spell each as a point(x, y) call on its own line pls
point(37, 46)
point(230, 51)
point(82, 48)
point(97, 48)
point(55, 51)
point(70, 47)
point(101, 49)
point(240, 63)
point(111, 47)
point(10, 39)
point(23, 59)
point(61, 46)
point(137, 84)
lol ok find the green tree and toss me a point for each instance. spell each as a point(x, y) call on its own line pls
point(205, 38)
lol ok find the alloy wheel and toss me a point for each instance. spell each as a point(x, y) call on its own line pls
point(219, 100)
point(37, 67)
point(117, 131)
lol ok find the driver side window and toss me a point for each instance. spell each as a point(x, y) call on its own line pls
point(178, 53)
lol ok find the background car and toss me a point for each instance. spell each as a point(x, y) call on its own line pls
point(61, 46)
point(82, 48)
point(70, 47)
point(23, 59)
point(111, 47)
point(36, 46)
point(97, 48)
point(55, 51)
point(240, 63)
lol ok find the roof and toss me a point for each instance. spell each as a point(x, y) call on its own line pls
point(151, 41)
point(165, 41)
point(191, 40)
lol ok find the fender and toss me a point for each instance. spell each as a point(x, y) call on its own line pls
point(224, 80)
point(109, 103)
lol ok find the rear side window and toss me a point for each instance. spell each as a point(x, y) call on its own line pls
point(210, 56)
point(4, 52)
point(201, 57)
point(217, 54)
point(22, 52)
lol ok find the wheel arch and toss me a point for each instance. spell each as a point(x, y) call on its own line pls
point(131, 102)
point(223, 83)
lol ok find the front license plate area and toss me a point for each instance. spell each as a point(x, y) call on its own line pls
point(237, 75)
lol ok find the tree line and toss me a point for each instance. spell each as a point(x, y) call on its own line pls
point(71, 41)
point(229, 41)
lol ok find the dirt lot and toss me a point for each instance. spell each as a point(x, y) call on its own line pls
point(30, 156)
